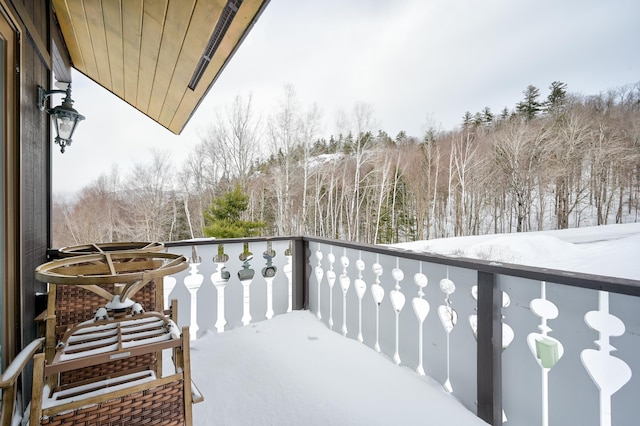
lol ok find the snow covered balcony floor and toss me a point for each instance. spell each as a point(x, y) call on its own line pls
point(391, 336)
point(293, 370)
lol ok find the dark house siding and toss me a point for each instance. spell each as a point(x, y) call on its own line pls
point(35, 167)
point(36, 25)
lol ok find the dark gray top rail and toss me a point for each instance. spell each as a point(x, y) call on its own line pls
point(575, 279)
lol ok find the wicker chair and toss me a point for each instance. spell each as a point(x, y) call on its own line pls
point(72, 304)
point(79, 285)
point(134, 396)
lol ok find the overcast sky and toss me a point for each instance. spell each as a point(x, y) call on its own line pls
point(416, 62)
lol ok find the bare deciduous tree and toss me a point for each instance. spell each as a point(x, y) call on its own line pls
point(148, 201)
point(233, 140)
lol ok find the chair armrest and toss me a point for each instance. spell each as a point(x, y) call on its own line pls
point(42, 317)
point(9, 379)
point(196, 395)
point(14, 369)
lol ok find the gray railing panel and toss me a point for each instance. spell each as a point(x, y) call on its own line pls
point(570, 395)
point(625, 401)
point(521, 404)
point(459, 354)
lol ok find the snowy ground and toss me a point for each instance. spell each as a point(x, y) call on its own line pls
point(610, 250)
point(292, 370)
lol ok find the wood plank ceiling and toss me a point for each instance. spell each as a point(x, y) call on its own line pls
point(149, 52)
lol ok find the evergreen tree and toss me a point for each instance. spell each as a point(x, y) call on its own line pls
point(430, 136)
point(348, 144)
point(333, 145)
point(557, 98)
point(223, 219)
point(467, 120)
point(477, 119)
point(401, 137)
point(319, 147)
point(504, 114)
point(383, 139)
point(530, 107)
point(487, 116)
point(363, 141)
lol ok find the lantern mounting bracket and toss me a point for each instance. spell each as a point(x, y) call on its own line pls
point(44, 94)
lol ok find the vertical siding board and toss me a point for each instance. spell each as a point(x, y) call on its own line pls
point(33, 137)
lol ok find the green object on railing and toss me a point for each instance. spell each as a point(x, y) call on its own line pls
point(547, 352)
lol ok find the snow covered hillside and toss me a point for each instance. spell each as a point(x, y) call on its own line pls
point(610, 250)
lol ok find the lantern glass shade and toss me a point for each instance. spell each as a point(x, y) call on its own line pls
point(65, 121)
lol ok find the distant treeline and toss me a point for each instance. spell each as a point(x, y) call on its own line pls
point(551, 162)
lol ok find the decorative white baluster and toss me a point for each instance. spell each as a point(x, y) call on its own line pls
point(288, 271)
point(246, 277)
point(473, 318)
point(397, 301)
point(220, 279)
point(607, 372)
point(448, 317)
point(345, 283)
point(331, 279)
point(269, 272)
point(361, 288)
point(378, 294)
point(421, 309)
point(193, 281)
point(319, 274)
point(546, 349)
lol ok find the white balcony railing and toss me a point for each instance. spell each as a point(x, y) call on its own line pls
point(515, 344)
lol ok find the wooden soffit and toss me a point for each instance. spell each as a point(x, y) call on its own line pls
point(149, 52)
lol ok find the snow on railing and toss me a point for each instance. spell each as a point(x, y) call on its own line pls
point(515, 344)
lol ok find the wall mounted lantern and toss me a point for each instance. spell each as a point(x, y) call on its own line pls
point(65, 118)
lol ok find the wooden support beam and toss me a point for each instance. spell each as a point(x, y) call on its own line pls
point(37, 389)
point(300, 274)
